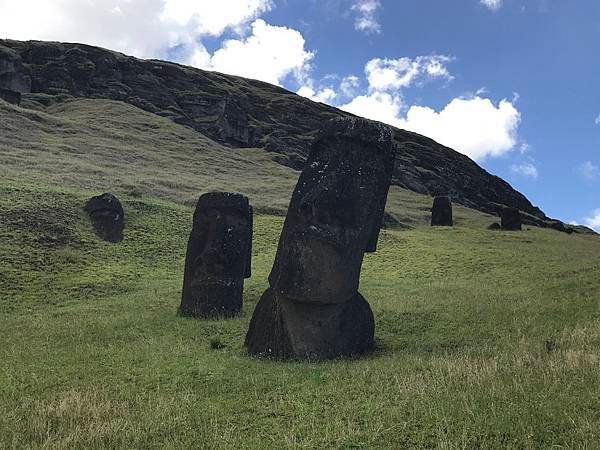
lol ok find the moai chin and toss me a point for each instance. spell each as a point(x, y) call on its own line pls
point(312, 309)
point(441, 211)
point(107, 215)
point(218, 256)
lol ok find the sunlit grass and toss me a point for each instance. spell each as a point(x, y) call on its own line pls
point(483, 339)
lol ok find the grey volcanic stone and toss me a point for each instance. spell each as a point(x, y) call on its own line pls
point(218, 256)
point(441, 212)
point(10, 96)
point(240, 113)
point(312, 309)
point(14, 76)
point(511, 219)
point(107, 215)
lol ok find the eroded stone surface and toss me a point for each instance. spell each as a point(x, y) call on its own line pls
point(510, 219)
point(11, 97)
point(108, 217)
point(238, 112)
point(218, 256)
point(313, 309)
point(441, 212)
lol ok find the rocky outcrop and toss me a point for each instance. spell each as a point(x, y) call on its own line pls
point(14, 76)
point(11, 97)
point(240, 113)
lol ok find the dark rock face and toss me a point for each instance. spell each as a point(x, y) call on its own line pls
point(494, 226)
point(441, 212)
point(511, 219)
point(10, 96)
point(14, 76)
point(218, 256)
point(241, 113)
point(107, 216)
point(312, 309)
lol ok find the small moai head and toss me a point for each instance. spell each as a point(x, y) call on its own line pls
point(335, 212)
point(107, 215)
point(510, 219)
point(441, 212)
point(218, 256)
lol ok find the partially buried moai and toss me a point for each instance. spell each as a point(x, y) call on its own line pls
point(218, 256)
point(510, 219)
point(441, 212)
point(312, 309)
point(107, 215)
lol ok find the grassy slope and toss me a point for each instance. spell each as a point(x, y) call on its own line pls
point(484, 338)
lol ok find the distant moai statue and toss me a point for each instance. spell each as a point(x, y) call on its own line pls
point(441, 212)
point(107, 215)
point(312, 309)
point(510, 219)
point(218, 257)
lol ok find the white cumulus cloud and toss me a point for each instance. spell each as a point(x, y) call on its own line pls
point(475, 127)
point(367, 12)
point(164, 28)
point(210, 16)
point(494, 5)
point(593, 221)
point(349, 85)
point(525, 169)
point(325, 95)
point(381, 106)
point(269, 54)
point(386, 74)
point(143, 28)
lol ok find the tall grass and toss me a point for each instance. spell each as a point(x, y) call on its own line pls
point(484, 339)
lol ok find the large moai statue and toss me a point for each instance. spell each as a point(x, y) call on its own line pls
point(107, 215)
point(312, 309)
point(218, 256)
point(441, 212)
point(510, 219)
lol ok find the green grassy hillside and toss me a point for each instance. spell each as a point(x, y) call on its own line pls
point(484, 339)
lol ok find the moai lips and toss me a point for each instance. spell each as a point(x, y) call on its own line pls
point(218, 256)
point(312, 309)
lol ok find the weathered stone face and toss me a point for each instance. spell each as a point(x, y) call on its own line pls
point(510, 219)
point(218, 256)
point(441, 212)
point(107, 215)
point(334, 217)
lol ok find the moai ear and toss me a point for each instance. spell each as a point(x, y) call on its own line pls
point(376, 226)
point(248, 272)
point(373, 239)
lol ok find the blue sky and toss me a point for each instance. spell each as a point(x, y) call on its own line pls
point(511, 83)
